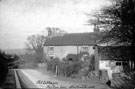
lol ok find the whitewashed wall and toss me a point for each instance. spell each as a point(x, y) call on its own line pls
point(91, 50)
point(62, 51)
point(103, 64)
point(110, 65)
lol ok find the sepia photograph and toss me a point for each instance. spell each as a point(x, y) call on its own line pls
point(67, 44)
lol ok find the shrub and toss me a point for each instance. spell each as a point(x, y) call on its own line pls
point(64, 68)
point(92, 63)
point(51, 65)
point(69, 69)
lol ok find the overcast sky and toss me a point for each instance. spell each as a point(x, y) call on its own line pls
point(20, 18)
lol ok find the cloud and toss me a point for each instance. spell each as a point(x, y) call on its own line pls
point(20, 18)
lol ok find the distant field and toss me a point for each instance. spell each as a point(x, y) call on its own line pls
point(15, 51)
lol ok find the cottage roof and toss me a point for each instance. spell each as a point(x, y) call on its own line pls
point(73, 39)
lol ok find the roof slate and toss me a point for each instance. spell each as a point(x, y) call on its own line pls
point(72, 39)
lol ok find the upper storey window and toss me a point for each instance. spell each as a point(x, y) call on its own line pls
point(84, 49)
point(51, 50)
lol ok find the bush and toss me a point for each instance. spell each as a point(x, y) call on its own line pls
point(51, 65)
point(92, 63)
point(69, 69)
point(73, 68)
point(128, 81)
point(64, 69)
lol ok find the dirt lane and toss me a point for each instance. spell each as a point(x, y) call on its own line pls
point(47, 82)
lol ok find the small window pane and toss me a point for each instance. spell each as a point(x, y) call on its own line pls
point(51, 50)
point(117, 63)
point(51, 57)
point(84, 49)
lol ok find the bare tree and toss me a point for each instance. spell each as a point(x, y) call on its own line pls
point(35, 43)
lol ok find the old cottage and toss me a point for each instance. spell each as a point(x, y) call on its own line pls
point(70, 44)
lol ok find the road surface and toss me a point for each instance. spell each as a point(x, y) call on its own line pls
point(30, 78)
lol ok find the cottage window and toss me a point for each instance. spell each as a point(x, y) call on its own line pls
point(51, 50)
point(118, 63)
point(51, 57)
point(85, 49)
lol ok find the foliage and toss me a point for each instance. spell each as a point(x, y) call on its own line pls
point(92, 63)
point(118, 21)
point(114, 52)
point(128, 81)
point(13, 61)
point(3, 68)
point(31, 59)
point(70, 69)
point(6, 62)
point(64, 69)
point(51, 65)
point(118, 24)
